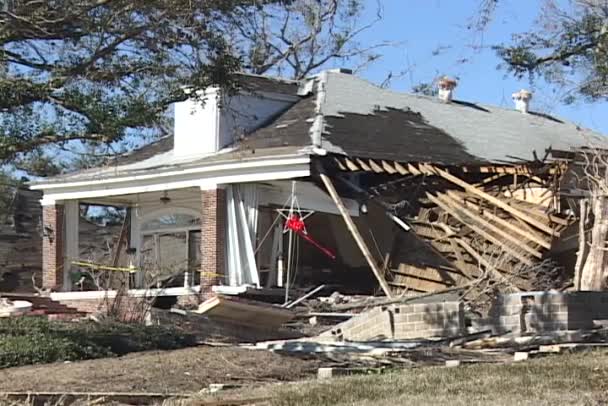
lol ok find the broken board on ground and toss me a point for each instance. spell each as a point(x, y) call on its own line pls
point(245, 312)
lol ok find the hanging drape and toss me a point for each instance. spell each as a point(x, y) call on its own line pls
point(242, 201)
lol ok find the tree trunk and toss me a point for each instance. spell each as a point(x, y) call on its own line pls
point(593, 276)
point(581, 255)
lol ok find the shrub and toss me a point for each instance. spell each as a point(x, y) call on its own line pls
point(35, 340)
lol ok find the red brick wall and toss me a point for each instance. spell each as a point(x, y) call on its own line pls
point(213, 238)
point(52, 246)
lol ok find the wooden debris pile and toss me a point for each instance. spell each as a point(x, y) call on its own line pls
point(488, 225)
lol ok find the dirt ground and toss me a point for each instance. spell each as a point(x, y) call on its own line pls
point(179, 371)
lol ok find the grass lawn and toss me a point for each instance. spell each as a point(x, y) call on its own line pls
point(571, 379)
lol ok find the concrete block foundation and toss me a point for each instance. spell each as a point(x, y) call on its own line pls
point(403, 321)
point(540, 312)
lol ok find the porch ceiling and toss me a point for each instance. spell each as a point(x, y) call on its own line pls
point(176, 197)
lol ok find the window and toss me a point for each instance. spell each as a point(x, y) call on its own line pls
point(170, 247)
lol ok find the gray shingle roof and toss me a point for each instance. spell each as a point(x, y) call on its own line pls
point(361, 119)
point(355, 117)
point(487, 133)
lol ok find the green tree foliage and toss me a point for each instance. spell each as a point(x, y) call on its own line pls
point(570, 49)
point(100, 70)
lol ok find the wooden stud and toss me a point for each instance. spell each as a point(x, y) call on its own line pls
point(497, 202)
point(532, 236)
point(355, 233)
point(479, 230)
point(419, 284)
point(471, 251)
point(455, 204)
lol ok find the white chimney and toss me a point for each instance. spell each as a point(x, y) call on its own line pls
point(446, 88)
point(202, 128)
point(522, 100)
point(197, 125)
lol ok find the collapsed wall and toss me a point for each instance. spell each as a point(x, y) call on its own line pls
point(433, 317)
point(547, 311)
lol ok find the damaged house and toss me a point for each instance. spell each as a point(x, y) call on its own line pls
point(329, 180)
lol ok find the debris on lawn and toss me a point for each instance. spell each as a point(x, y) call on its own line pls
point(10, 308)
point(250, 313)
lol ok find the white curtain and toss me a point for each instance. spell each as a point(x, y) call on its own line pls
point(242, 201)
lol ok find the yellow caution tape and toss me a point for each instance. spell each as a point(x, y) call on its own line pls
point(103, 267)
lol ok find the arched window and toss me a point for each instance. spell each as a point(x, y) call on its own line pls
point(171, 222)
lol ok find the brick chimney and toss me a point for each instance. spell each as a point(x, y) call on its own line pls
point(522, 100)
point(446, 88)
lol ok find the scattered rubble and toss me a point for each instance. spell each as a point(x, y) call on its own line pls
point(9, 308)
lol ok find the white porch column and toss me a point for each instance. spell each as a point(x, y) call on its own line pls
point(71, 242)
point(136, 242)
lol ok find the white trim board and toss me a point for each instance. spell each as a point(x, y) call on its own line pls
point(203, 177)
point(101, 294)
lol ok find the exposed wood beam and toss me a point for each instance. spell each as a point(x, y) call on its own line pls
point(401, 169)
point(363, 165)
point(491, 179)
point(419, 284)
point(375, 167)
point(388, 168)
point(495, 201)
point(351, 165)
point(355, 233)
point(340, 164)
point(427, 273)
point(411, 168)
point(479, 230)
point(455, 204)
point(532, 236)
point(471, 251)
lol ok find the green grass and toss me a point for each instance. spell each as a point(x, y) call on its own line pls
point(35, 340)
point(573, 379)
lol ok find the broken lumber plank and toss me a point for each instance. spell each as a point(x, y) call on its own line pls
point(350, 224)
point(433, 274)
point(470, 337)
point(245, 312)
point(489, 226)
point(532, 236)
point(485, 263)
point(479, 230)
point(330, 314)
point(557, 348)
point(107, 397)
point(304, 297)
point(495, 201)
point(418, 284)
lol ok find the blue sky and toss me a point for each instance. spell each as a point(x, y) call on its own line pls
point(426, 26)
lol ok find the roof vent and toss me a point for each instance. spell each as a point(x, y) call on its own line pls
point(446, 88)
point(522, 100)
